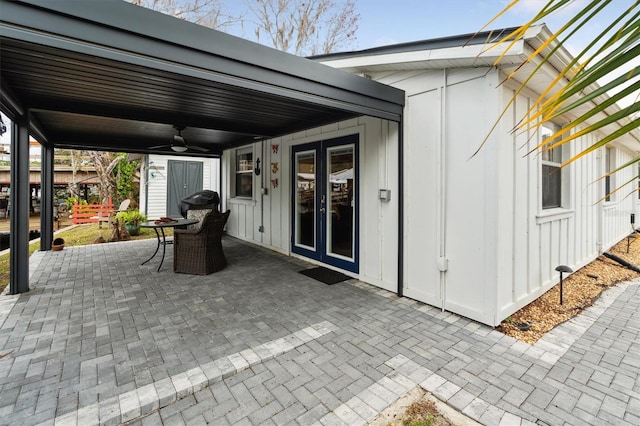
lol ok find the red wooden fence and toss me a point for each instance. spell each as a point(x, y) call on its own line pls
point(88, 213)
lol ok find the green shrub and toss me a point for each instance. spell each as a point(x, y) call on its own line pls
point(131, 217)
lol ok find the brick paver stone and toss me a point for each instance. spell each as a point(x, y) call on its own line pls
point(101, 339)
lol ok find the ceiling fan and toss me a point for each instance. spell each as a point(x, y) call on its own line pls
point(179, 144)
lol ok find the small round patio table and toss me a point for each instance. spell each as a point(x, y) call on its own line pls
point(158, 224)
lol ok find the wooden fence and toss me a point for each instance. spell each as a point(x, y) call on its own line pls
point(88, 213)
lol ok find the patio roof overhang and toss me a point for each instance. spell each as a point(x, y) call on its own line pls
point(113, 76)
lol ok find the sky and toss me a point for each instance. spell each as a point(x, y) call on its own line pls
point(384, 22)
point(411, 20)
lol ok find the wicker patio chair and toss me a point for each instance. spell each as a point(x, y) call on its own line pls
point(198, 214)
point(200, 251)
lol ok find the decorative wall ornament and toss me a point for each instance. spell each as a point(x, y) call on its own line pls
point(274, 168)
point(274, 148)
point(274, 182)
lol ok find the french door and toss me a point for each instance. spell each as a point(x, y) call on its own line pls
point(325, 201)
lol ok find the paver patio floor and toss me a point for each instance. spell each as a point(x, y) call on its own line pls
point(102, 339)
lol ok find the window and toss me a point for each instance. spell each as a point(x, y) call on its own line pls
point(609, 182)
point(244, 172)
point(551, 170)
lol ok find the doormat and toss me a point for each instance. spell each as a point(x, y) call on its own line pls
point(327, 276)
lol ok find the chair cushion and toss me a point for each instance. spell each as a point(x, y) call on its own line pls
point(198, 214)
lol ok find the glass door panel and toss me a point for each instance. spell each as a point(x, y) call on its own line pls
point(305, 205)
point(340, 185)
point(325, 201)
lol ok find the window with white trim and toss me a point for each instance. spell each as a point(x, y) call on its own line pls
point(551, 168)
point(244, 172)
point(610, 165)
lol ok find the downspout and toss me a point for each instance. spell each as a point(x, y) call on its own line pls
point(401, 205)
point(262, 192)
point(621, 261)
point(600, 225)
point(443, 262)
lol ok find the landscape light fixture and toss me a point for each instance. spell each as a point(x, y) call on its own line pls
point(562, 269)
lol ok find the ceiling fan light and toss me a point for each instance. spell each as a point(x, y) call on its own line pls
point(178, 148)
point(178, 145)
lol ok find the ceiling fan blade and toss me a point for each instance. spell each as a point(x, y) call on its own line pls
point(197, 148)
point(159, 146)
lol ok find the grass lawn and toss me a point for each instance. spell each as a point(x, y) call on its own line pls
point(80, 235)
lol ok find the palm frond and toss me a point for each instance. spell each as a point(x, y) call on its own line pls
point(575, 89)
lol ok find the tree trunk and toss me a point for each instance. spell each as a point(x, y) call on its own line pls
point(104, 163)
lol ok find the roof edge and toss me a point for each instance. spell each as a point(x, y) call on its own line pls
point(420, 45)
point(130, 19)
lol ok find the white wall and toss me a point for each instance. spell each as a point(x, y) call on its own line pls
point(378, 151)
point(532, 242)
point(477, 241)
point(450, 196)
point(155, 203)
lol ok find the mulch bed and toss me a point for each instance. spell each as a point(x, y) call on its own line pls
point(580, 290)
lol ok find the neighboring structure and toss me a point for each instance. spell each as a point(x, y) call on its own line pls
point(84, 175)
point(481, 235)
point(165, 180)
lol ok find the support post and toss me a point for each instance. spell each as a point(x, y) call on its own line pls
point(19, 199)
point(46, 201)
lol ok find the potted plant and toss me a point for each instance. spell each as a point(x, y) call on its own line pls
point(131, 219)
point(57, 244)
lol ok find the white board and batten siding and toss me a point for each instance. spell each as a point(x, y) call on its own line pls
point(271, 209)
point(155, 180)
point(450, 206)
point(477, 241)
point(534, 241)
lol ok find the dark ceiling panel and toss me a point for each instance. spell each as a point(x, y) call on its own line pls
point(119, 96)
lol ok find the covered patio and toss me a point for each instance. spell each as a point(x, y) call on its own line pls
point(97, 325)
point(101, 339)
point(113, 76)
